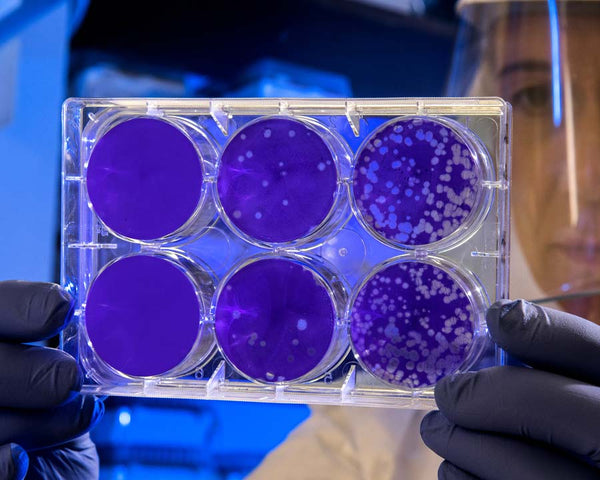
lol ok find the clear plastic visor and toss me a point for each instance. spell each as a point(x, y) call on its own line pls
point(544, 58)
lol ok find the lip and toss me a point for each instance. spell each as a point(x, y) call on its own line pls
point(580, 252)
point(578, 246)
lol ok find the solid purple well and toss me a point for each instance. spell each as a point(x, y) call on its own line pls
point(412, 324)
point(277, 180)
point(144, 178)
point(274, 320)
point(415, 181)
point(142, 315)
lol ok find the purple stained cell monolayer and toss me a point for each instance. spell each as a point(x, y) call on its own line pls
point(275, 320)
point(411, 324)
point(416, 181)
point(144, 178)
point(142, 315)
point(277, 180)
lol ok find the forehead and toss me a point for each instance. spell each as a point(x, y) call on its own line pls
point(527, 36)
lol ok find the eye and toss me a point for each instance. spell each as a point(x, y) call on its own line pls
point(533, 100)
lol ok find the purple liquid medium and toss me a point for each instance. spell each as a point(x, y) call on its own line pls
point(411, 324)
point(144, 178)
point(142, 315)
point(274, 320)
point(277, 180)
point(415, 181)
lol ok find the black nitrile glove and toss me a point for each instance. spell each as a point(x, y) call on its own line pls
point(43, 418)
point(516, 423)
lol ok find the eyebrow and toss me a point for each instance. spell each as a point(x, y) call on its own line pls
point(527, 66)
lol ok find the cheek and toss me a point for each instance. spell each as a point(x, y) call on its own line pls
point(539, 208)
point(538, 173)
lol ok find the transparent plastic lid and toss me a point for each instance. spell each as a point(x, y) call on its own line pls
point(330, 251)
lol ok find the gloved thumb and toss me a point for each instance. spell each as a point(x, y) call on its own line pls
point(547, 339)
point(13, 462)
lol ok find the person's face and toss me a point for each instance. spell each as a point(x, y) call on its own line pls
point(556, 150)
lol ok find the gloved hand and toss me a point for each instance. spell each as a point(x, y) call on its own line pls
point(513, 423)
point(42, 415)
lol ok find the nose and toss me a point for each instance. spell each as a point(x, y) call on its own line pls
point(582, 129)
point(583, 156)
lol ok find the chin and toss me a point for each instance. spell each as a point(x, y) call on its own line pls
point(585, 307)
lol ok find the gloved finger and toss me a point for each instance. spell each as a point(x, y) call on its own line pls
point(35, 429)
point(36, 377)
point(449, 471)
point(13, 462)
point(542, 406)
point(32, 311)
point(547, 339)
point(75, 459)
point(497, 457)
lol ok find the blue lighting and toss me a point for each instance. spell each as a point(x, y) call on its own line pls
point(555, 45)
point(124, 417)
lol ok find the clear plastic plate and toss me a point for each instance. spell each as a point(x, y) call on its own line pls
point(327, 251)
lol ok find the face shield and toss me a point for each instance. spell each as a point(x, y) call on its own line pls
point(543, 56)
